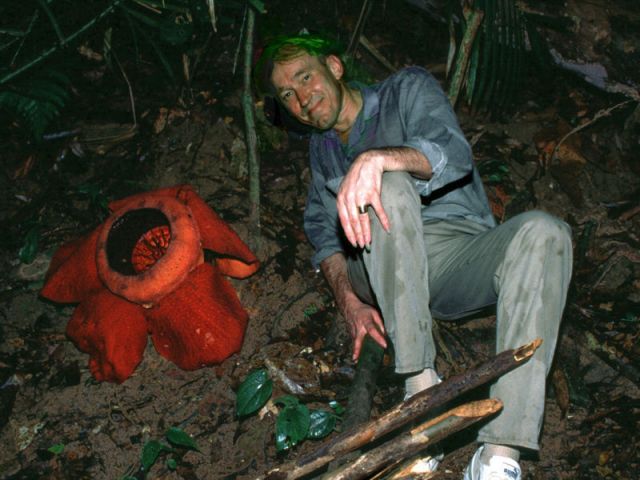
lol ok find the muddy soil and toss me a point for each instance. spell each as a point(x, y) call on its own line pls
point(48, 397)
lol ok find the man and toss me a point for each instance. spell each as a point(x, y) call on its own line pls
point(402, 231)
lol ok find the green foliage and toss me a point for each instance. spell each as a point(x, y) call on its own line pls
point(499, 55)
point(180, 438)
point(152, 450)
point(56, 449)
point(98, 201)
point(295, 421)
point(30, 245)
point(254, 392)
point(494, 171)
point(35, 32)
point(321, 423)
point(150, 453)
point(36, 100)
point(292, 424)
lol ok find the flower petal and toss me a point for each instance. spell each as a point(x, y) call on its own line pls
point(113, 331)
point(72, 273)
point(199, 324)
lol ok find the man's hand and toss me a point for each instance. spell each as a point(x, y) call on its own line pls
point(362, 185)
point(363, 319)
point(360, 189)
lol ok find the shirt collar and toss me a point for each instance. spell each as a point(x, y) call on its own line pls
point(370, 108)
point(370, 102)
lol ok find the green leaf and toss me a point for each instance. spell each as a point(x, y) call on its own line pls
point(56, 449)
point(253, 393)
point(292, 426)
point(310, 310)
point(339, 409)
point(36, 100)
point(151, 452)
point(287, 401)
point(321, 424)
point(30, 247)
point(630, 318)
point(172, 464)
point(181, 438)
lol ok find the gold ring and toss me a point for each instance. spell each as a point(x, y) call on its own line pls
point(362, 210)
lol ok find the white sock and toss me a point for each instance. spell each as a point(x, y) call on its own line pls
point(420, 381)
point(491, 449)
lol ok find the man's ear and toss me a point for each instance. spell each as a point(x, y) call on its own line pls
point(335, 66)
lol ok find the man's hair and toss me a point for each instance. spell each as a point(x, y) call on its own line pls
point(289, 47)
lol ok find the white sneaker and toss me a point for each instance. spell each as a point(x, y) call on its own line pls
point(499, 468)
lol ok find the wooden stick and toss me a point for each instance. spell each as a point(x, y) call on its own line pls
point(251, 137)
point(376, 53)
point(362, 390)
point(363, 386)
point(403, 413)
point(415, 440)
point(474, 20)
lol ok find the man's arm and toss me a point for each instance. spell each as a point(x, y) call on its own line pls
point(362, 186)
point(362, 319)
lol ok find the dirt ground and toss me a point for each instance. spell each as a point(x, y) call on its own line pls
point(47, 394)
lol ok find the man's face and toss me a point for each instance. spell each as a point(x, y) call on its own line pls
point(310, 90)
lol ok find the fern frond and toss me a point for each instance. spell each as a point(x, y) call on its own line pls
point(36, 101)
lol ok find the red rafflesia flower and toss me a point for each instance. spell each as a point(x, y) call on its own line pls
point(143, 272)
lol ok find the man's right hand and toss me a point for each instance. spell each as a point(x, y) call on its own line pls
point(363, 319)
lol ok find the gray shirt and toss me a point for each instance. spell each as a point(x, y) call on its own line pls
point(408, 109)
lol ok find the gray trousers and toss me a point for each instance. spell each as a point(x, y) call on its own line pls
point(450, 269)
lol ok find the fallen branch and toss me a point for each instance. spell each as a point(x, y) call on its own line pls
point(363, 386)
point(416, 440)
point(362, 390)
point(375, 53)
point(605, 112)
point(403, 413)
point(357, 31)
point(474, 20)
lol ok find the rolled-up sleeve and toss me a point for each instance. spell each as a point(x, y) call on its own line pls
point(432, 128)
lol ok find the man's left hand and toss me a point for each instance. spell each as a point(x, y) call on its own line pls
point(359, 190)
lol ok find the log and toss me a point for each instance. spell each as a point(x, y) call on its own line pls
point(363, 388)
point(415, 440)
point(403, 413)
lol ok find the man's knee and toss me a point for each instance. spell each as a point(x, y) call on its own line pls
point(544, 229)
point(546, 225)
point(398, 188)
